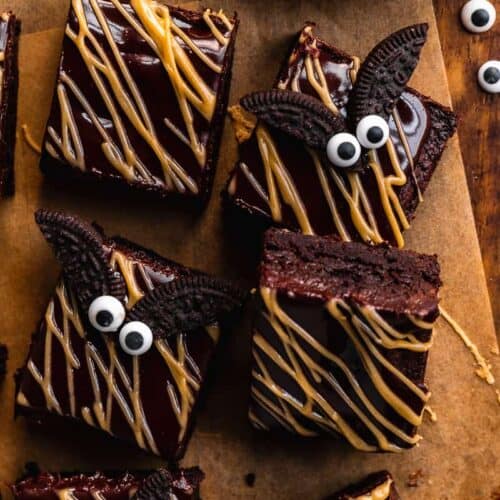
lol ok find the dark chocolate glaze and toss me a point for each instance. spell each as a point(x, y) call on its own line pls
point(365, 487)
point(426, 124)
point(159, 96)
point(46, 486)
point(306, 272)
point(9, 41)
point(154, 372)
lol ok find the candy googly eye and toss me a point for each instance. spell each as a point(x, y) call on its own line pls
point(343, 150)
point(478, 16)
point(106, 313)
point(372, 132)
point(488, 77)
point(136, 338)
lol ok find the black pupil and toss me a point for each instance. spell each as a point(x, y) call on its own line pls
point(346, 150)
point(375, 134)
point(492, 75)
point(104, 318)
point(134, 341)
point(480, 17)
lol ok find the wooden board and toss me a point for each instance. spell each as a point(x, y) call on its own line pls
point(463, 54)
point(458, 456)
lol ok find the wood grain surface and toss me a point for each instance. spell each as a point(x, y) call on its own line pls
point(479, 129)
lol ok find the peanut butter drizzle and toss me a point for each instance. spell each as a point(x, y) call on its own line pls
point(28, 138)
point(182, 367)
point(68, 494)
point(279, 181)
point(432, 414)
point(381, 492)
point(361, 211)
point(158, 30)
point(358, 328)
point(484, 368)
point(127, 268)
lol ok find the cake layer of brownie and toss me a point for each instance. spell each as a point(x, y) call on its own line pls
point(140, 96)
point(3, 360)
point(181, 484)
point(376, 486)
point(76, 371)
point(9, 76)
point(341, 337)
point(282, 182)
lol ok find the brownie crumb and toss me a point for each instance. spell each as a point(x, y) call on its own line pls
point(415, 479)
point(250, 479)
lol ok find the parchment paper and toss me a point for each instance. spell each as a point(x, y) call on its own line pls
point(459, 456)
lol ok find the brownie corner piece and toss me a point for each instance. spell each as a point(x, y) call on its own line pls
point(127, 345)
point(138, 485)
point(340, 340)
point(140, 97)
point(281, 181)
point(10, 28)
point(378, 485)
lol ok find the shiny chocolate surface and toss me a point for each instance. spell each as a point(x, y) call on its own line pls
point(147, 87)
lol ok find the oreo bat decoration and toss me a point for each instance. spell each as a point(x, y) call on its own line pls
point(183, 305)
point(381, 80)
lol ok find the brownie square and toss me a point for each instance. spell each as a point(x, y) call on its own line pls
point(340, 342)
point(84, 366)
point(9, 76)
point(140, 96)
point(379, 485)
point(182, 484)
point(278, 181)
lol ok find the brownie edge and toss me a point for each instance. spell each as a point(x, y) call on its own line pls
point(322, 267)
point(10, 28)
point(377, 486)
point(182, 484)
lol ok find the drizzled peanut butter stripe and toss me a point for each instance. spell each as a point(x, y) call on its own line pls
point(279, 181)
point(484, 368)
point(119, 91)
point(366, 329)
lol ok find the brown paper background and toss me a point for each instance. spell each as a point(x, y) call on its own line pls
point(459, 456)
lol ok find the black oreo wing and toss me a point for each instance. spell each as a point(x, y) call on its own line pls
point(78, 246)
point(384, 74)
point(298, 115)
point(186, 304)
point(157, 486)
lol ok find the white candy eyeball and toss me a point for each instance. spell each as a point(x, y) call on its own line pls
point(488, 77)
point(343, 150)
point(478, 15)
point(106, 313)
point(372, 132)
point(136, 338)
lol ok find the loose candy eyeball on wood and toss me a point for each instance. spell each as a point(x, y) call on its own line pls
point(478, 16)
point(488, 76)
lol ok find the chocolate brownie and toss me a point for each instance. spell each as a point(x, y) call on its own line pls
point(377, 486)
point(9, 75)
point(279, 180)
point(128, 337)
point(140, 97)
point(181, 484)
point(341, 337)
